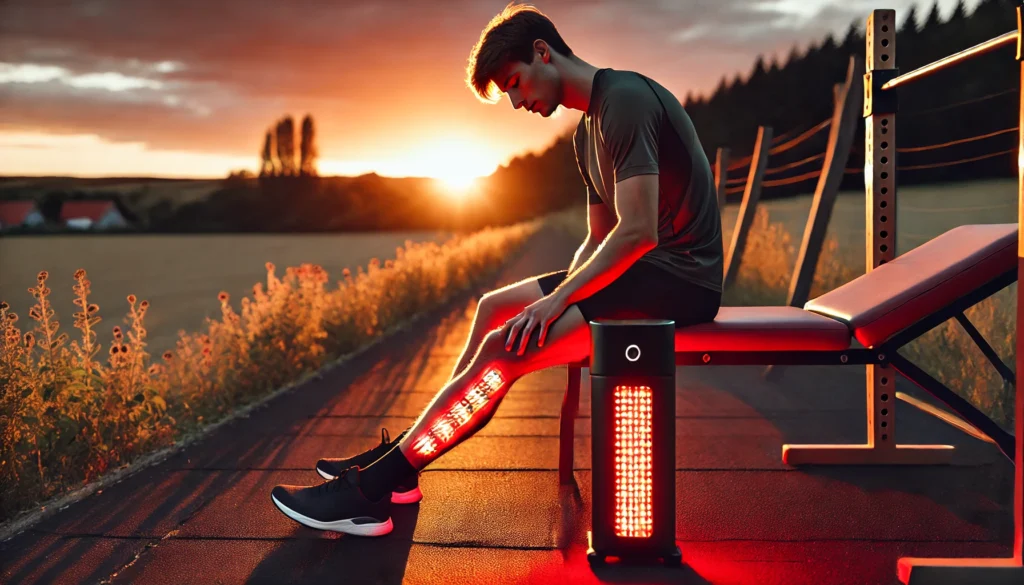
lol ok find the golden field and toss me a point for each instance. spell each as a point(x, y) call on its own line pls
point(180, 276)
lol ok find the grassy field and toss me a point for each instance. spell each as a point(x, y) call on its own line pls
point(180, 276)
point(922, 212)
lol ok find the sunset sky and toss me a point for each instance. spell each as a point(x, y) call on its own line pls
point(188, 88)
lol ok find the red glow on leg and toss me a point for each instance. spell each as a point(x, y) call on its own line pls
point(447, 425)
point(633, 462)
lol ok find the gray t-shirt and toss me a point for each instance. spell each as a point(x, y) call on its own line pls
point(635, 126)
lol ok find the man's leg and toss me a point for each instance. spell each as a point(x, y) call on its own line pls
point(467, 402)
point(492, 311)
point(358, 501)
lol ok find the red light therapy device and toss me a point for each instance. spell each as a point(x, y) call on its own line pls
point(633, 387)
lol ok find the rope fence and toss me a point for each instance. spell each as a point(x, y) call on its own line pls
point(737, 184)
point(783, 143)
point(934, 110)
point(960, 141)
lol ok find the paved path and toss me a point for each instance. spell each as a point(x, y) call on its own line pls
point(492, 511)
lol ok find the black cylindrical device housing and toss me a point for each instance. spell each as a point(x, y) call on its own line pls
point(633, 382)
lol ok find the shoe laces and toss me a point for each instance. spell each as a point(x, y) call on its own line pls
point(337, 484)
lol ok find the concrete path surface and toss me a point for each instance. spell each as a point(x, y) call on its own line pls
point(492, 511)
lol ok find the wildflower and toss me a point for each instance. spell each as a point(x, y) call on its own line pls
point(346, 273)
point(124, 348)
point(12, 317)
point(79, 274)
point(131, 299)
point(93, 307)
point(223, 296)
point(4, 306)
point(270, 266)
point(144, 304)
point(30, 341)
point(42, 276)
point(168, 356)
point(153, 370)
point(113, 349)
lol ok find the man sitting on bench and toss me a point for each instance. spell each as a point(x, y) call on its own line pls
point(654, 251)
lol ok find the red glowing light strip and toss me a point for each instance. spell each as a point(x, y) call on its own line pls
point(459, 414)
point(633, 462)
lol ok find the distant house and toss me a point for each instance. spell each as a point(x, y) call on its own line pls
point(20, 213)
point(91, 214)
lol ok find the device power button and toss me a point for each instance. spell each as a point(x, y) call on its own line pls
point(633, 352)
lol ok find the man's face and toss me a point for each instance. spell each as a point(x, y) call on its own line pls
point(534, 86)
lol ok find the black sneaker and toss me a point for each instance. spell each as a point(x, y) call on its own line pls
point(406, 492)
point(337, 505)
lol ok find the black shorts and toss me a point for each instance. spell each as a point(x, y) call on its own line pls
point(644, 291)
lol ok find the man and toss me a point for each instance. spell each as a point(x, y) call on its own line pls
point(654, 251)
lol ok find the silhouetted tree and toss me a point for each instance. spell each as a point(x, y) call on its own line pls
point(286, 146)
point(268, 168)
point(308, 149)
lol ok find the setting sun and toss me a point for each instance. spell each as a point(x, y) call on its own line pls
point(455, 162)
point(458, 184)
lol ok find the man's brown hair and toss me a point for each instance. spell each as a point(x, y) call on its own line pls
point(509, 36)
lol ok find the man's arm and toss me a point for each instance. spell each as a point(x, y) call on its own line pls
point(630, 118)
point(636, 203)
point(600, 221)
point(585, 251)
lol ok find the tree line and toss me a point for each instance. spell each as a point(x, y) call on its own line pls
point(797, 95)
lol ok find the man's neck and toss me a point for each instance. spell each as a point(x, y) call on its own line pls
point(578, 85)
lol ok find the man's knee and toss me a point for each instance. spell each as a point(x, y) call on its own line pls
point(498, 306)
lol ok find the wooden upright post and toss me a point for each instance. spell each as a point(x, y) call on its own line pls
point(721, 174)
point(880, 203)
point(751, 195)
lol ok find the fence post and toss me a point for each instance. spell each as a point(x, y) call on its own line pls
point(751, 195)
point(840, 139)
point(848, 101)
point(721, 174)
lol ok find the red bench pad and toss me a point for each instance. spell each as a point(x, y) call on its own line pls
point(919, 283)
point(764, 329)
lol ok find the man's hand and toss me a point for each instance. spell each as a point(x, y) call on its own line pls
point(541, 313)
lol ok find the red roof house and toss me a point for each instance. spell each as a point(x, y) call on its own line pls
point(86, 214)
point(19, 213)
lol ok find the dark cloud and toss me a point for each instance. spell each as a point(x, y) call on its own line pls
point(226, 69)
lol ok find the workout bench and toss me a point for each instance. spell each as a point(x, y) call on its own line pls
point(881, 311)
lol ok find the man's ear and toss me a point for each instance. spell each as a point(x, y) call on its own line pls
point(542, 47)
